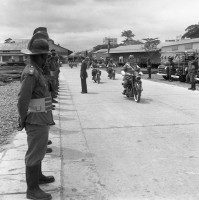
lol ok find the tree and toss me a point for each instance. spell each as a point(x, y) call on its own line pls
point(192, 31)
point(150, 45)
point(129, 38)
point(8, 40)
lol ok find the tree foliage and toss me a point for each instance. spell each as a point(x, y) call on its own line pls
point(192, 31)
point(151, 44)
point(128, 35)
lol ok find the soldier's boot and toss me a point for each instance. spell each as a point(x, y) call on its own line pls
point(124, 92)
point(191, 87)
point(33, 189)
point(194, 86)
point(49, 150)
point(45, 179)
point(49, 142)
point(54, 101)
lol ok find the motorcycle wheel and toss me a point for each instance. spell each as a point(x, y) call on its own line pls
point(98, 79)
point(137, 92)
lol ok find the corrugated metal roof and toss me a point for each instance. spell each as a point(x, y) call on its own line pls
point(20, 44)
point(101, 51)
point(128, 49)
point(185, 41)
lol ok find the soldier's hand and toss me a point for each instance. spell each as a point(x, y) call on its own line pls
point(21, 126)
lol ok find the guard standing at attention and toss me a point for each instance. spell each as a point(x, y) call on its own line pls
point(149, 67)
point(193, 71)
point(33, 106)
point(84, 75)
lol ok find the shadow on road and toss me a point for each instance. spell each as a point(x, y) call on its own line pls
point(146, 101)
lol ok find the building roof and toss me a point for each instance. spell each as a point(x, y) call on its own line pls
point(16, 46)
point(128, 49)
point(19, 44)
point(185, 41)
point(101, 51)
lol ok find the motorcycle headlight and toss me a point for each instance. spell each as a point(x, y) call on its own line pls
point(138, 78)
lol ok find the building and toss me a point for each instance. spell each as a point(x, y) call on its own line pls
point(179, 47)
point(11, 51)
point(113, 41)
point(102, 53)
point(121, 54)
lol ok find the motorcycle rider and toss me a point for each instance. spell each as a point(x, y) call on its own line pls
point(94, 66)
point(110, 67)
point(130, 67)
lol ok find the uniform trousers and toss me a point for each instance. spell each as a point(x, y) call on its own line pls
point(84, 85)
point(37, 139)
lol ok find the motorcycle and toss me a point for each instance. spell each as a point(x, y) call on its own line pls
point(134, 87)
point(96, 73)
point(112, 74)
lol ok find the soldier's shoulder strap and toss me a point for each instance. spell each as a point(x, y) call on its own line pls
point(29, 70)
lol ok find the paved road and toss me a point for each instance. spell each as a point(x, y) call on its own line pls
point(107, 147)
point(138, 151)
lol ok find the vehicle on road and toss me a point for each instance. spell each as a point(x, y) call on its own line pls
point(111, 75)
point(96, 73)
point(134, 88)
point(179, 71)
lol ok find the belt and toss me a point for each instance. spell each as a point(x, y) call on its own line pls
point(40, 105)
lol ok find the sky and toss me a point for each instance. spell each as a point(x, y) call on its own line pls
point(82, 24)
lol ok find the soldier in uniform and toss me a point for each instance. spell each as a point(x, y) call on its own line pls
point(84, 75)
point(129, 68)
point(193, 71)
point(94, 66)
point(149, 67)
point(52, 63)
point(34, 105)
point(170, 68)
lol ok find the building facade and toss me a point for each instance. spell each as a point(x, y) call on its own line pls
point(11, 52)
point(121, 54)
point(113, 41)
point(179, 47)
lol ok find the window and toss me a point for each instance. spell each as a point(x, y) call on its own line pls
point(189, 46)
point(174, 48)
point(20, 58)
point(6, 58)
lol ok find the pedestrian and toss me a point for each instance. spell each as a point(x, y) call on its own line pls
point(33, 106)
point(193, 71)
point(84, 75)
point(149, 67)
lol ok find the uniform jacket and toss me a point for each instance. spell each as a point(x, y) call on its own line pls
point(83, 72)
point(33, 86)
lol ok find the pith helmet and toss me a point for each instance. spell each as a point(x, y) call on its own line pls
point(131, 57)
point(43, 31)
point(37, 45)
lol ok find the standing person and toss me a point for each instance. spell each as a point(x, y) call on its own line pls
point(193, 71)
point(33, 106)
point(84, 75)
point(170, 67)
point(149, 67)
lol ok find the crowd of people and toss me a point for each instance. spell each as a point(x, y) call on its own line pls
point(38, 92)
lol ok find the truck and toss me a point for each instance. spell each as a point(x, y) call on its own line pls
point(179, 71)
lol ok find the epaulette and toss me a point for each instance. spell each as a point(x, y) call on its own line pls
point(31, 70)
